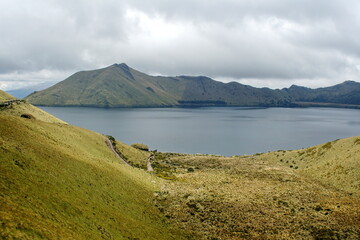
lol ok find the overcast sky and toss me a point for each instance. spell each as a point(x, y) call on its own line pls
point(269, 43)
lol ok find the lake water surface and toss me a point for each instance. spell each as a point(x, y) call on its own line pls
point(223, 131)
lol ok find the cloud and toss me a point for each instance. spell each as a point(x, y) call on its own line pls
point(267, 43)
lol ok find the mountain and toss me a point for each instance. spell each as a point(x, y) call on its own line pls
point(121, 86)
point(59, 181)
point(25, 91)
point(347, 92)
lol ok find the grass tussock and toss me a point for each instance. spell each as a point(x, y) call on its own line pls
point(140, 146)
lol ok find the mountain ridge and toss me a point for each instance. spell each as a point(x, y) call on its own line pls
point(347, 92)
point(119, 85)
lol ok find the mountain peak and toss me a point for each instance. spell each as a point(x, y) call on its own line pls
point(349, 82)
point(124, 68)
point(297, 87)
point(121, 65)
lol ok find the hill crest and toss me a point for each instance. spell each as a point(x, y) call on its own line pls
point(119, 85)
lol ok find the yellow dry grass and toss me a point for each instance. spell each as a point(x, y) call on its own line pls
point(334, 163)
point(254, 198)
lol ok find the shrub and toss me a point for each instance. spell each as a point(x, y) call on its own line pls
point(111, 138)
point(140, 146)
point(28, 116)
point(327, 145)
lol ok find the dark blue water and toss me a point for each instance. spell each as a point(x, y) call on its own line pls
point(224, 131)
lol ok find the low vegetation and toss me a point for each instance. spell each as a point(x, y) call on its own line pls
point(58, 181)
point(62, 182)
point(140, 146)
point(334, 163)
point(253, 198)
point(135, 157)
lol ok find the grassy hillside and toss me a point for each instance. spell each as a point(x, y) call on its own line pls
point(58, 181)
point(334, 163)
point(253, 197)
point(62, 182)
point(121, 86)
point(21, 107)
point(5, 96)
point(18, 109)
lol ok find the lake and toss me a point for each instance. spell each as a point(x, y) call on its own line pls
point(223, 131)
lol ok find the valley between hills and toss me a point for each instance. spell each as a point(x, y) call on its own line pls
point(59, 181)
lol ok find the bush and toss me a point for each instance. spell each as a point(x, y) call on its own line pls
point(140, 146)
point(28, 116)
point(111, 138)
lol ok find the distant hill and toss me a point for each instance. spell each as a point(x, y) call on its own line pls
point(25, 91)
point(347, 92)
point(121, 86)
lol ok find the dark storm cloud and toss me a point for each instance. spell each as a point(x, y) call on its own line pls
point(271, 43)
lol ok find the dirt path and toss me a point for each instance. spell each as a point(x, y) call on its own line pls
point(109, 144)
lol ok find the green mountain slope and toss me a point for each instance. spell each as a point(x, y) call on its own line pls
point(58, 181)
point(114, 86)
point(203, 89)
point(121, 86)
point(347, 92)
